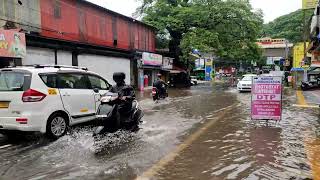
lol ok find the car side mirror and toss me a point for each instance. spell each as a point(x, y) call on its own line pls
point(96, 90)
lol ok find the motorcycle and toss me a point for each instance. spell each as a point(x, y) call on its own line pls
point(109, 119)
point(306, 85)
point(156, 95)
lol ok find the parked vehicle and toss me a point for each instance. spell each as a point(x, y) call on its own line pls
point(245, 83)
point(110, 120)
point(156, 95)
point(313, 80)
point(194, 80)
point(179, 79)
point(48, 99)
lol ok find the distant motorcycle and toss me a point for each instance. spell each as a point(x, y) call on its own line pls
point(109, 118)
point(156, 95)
point(306, 85)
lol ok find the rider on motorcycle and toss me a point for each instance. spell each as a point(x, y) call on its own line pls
point(126, 93)
point(160, 85)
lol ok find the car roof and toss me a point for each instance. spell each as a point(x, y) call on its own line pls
point(250, 75)
point(50, 69)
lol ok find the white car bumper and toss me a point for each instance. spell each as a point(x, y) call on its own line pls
point(32, 123)
point(244, 88)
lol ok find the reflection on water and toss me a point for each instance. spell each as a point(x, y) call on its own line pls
point(235, 149)
point(264, 141)
point(230, 149)
point(313, 152)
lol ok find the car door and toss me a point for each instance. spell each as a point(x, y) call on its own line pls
point(101, 84)
point(77, 96)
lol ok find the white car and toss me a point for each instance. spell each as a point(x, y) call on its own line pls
point(245, 83)
point(48, 99)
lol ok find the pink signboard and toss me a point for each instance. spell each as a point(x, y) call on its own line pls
point(151, 59)
point(266, 101)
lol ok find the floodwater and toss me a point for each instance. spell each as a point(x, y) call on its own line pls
point(230, 147)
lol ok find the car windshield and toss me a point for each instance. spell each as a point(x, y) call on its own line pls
point(247, 78)
point(13, 81)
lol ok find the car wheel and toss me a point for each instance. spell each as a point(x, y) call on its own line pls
point(57, 126)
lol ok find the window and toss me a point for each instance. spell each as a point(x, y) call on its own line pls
point(247, 78)
point(97, 82)
point(73, 81)
point(14, 81)
point(50, 80)
point(57, 9)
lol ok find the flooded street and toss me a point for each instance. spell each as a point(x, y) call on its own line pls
point(200, 133)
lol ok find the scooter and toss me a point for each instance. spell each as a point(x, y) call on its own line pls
point(109, 119)
point(306, 85)
point(156, 94)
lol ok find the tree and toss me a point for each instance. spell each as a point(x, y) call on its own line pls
point(227, 28)
point(289, 26)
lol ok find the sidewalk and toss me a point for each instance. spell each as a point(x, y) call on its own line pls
point(308, 99)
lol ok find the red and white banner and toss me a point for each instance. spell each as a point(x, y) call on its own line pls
point(266, 103)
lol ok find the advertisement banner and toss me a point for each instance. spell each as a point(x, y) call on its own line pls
point(266, 98)
point(151, 59)
point(167, 63)
point(270, 61)
point(12, 44)
point(199, 64)
point(309, 4)
point(208, 70)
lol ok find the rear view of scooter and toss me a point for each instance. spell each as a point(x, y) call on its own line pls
point(110, 120)
point(157, 94)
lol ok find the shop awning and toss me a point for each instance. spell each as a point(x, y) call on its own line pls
point(152, 67)
point(297, 69)
point(175, 71)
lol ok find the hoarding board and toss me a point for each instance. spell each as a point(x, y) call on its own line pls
point(12, 44)
point(151, 59)
point(199, 64)
point(167, 63)
point(208, 70)
point(309, 4)
point(266, 98)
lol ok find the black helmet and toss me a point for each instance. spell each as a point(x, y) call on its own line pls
point(119, 77)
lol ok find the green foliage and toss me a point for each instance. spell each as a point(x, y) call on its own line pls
point(289, 26)
point(227, 28)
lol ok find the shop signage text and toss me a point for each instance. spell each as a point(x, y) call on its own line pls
point(12, 44)
point(266, 101)
point(151, 59)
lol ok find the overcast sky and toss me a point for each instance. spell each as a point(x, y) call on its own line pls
point(271, 8)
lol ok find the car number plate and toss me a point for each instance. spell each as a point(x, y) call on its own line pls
point(4, 104)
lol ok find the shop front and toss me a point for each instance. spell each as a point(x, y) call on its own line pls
point(150, 66)
point(167, 65)
point(12, 48)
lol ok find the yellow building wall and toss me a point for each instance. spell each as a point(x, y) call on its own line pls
point(298, 54)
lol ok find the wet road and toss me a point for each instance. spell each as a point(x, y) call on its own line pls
point(201, 133)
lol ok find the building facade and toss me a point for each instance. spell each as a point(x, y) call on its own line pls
point(275, 49)
point(78, 33)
